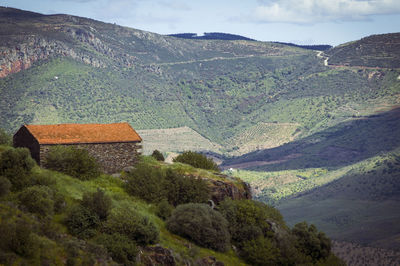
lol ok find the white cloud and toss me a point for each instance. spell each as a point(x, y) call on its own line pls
point(175, 5)
point(313, 11)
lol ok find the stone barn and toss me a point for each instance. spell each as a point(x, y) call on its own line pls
point(114, 146)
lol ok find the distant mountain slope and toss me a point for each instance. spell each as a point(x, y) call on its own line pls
point(318, 47)
point(81, 70)
point(381, 50)
point(361, 206)
point(346, 143)
point(211, 36)
point(241, 96)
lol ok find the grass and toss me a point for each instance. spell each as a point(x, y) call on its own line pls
point(73, 189)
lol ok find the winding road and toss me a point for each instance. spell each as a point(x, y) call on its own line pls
point(319, 54)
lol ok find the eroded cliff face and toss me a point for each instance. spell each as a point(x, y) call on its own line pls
point(80, 44)
point(34, 48)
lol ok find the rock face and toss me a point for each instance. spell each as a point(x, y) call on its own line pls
point(35, 48)
point(223, 189)
point(209, 261)
point(156, 256)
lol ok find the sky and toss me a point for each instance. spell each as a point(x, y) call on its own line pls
point(298, 21)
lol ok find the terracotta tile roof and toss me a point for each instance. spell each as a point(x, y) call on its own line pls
point(83, 133)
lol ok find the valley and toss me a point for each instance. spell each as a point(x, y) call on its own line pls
point(315, 133)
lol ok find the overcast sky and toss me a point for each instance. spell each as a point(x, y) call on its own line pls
point(299, 21)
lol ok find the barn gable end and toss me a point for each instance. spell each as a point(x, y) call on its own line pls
point(114, 146)
point(24, 139)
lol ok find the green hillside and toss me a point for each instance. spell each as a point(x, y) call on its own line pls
point(301, 130)
point(368, 52)
point(48, 217)
point(89, 71)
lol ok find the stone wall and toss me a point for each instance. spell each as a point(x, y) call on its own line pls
point(112, 157)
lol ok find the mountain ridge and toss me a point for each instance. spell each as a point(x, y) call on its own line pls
point(229, 93)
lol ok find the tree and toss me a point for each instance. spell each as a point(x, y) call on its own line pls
point(311, 242)
point(158, 155)
point(201, 224)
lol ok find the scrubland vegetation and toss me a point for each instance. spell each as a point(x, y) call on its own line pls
point(53, 218)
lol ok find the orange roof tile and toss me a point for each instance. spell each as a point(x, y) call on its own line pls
point(83, 133)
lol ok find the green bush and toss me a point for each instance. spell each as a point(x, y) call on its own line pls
point(197, 160)
point(164, 209)
point(311, 242)
point(16, 165)
point(82, 222)
point(16, 233)
point(98, 202)
point(72, 161)
point(120, 247)
point(249, 219)
point(260, 251)
point(136, 227)
point(146, 182)
point(153, 185)
point(201, 224)
point(5, 186)
point(181, 189)
point(158, 155)
point(38, 199)
point(43, 178)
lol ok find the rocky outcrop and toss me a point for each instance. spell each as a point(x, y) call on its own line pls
point(34, 48)
point(209, 261)
point(81, 44)
point(226, 187)
point(157, 255)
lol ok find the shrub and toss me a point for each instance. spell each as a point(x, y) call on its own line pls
point(311, 242)
point(181, 189)
point(260, 251)
point(72, 161)
point(98, 202)
point(164, 209)
point(120, 247)
point(201, 224)
point(136, 227)
point(38, 199)
point(5, 186)
point(43, 178)
point(249, 219)
point(196, 160)
point(153, 185)
point(158, 155)
point(82, 222)
point(16, 233)
point(146, 182)
point(16, 165)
